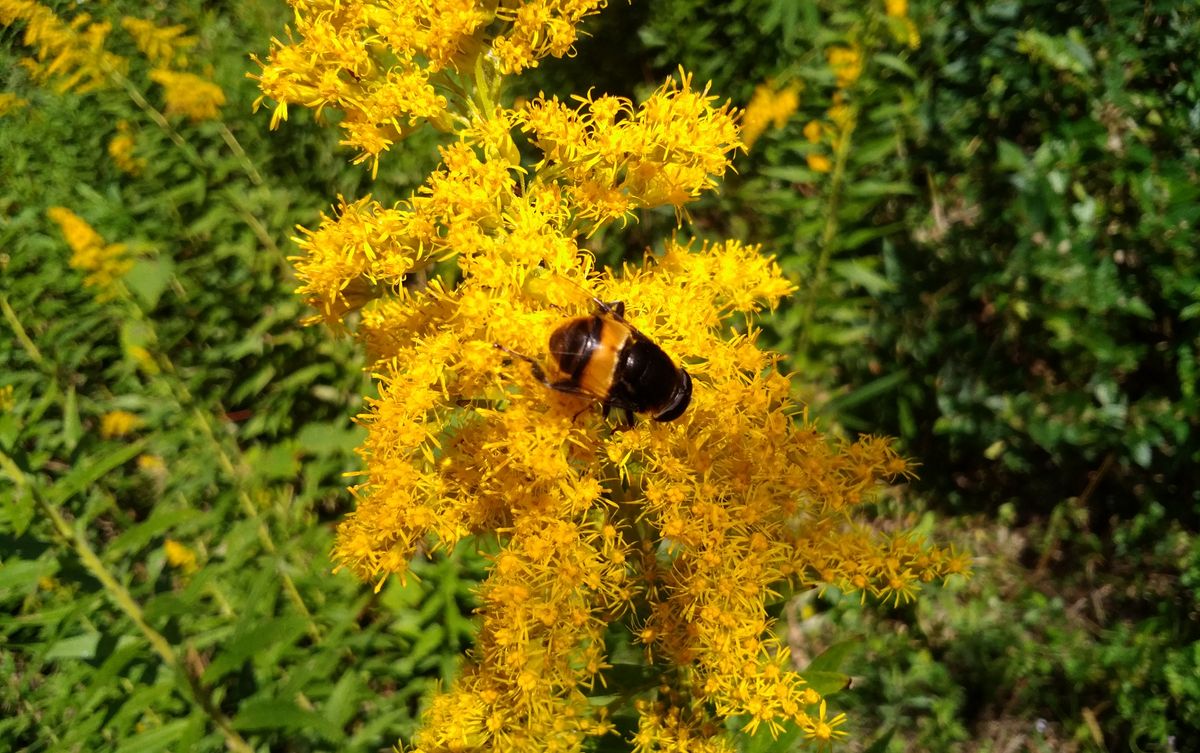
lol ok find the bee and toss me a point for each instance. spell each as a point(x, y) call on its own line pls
point(604, 357)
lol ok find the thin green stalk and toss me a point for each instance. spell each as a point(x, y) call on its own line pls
point(159, 119)
point(828, 234)
point(22, 337)
point(235, 146)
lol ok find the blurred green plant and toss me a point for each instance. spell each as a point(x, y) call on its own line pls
point(1013, 289)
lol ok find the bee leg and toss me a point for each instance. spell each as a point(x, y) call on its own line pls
point(630, 419)
point(582, 410)
point(616, 308)
point(538, 373)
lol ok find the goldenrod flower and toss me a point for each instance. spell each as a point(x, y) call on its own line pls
point(847, 64)
point(680, 531)
point(897, 11)
point(189, 95)
point(616, 159)
point(690, 524)
point(163, 46)
point(180, 556)
point(7, 401)
point(539, 28)
point(10, 102)
point(105, 264)
point(390, 65)
point(818, 162)
point(118, 423)
point(71, 54)
point(152, 465)
point(768, 107)
point(120, 149)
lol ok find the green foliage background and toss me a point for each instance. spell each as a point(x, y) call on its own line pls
point(1004, 275)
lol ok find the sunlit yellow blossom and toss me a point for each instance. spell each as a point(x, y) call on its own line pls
point(105, 264)
point(824, 729)
point(120, 149)
point(617, 159)
point(768, 107)
point(377, 63)
point(180, 556)
point(189, 95)
point(141, 356)
point(388, 66)
point(7, 401)
point(674, 533)
point(152, 464)
point(539, 28)
point(818, 162)
point(903, 27)
point(846, 63)
point(10, 103)
point(118, 423)
point(71, 54)
point(163, 46)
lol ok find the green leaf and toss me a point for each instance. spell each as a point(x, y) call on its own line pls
point(76, 647)
point(18, 510)
point(148, 279)
point(274, 633)
point(156, 739)
point(826, 683)
point(882, 742)
point(895, 63)
point(84, 475)
point(865, 393)
point(792, 174)
point(859, 236)
point(859, 272)
point(832, 658)
point(133, 539)
point(72, 427)
point(329, 438)
point(22, 575)
point(281, 714)
point(874, 188)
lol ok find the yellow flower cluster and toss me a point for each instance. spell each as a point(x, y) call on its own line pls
point(70, 54)
point(903, 27)
point(835, 131)
point(121, 147)
point(118, 423)
point(195, 97)
point(180, 556)
point(847, 64)
point(767, 107)
point(166, 48)
point(538, 28)
point(614, 159)
point(392, 65)
point(679, 533)
point(10, 102)
point(104, 263)
point(163, 46)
